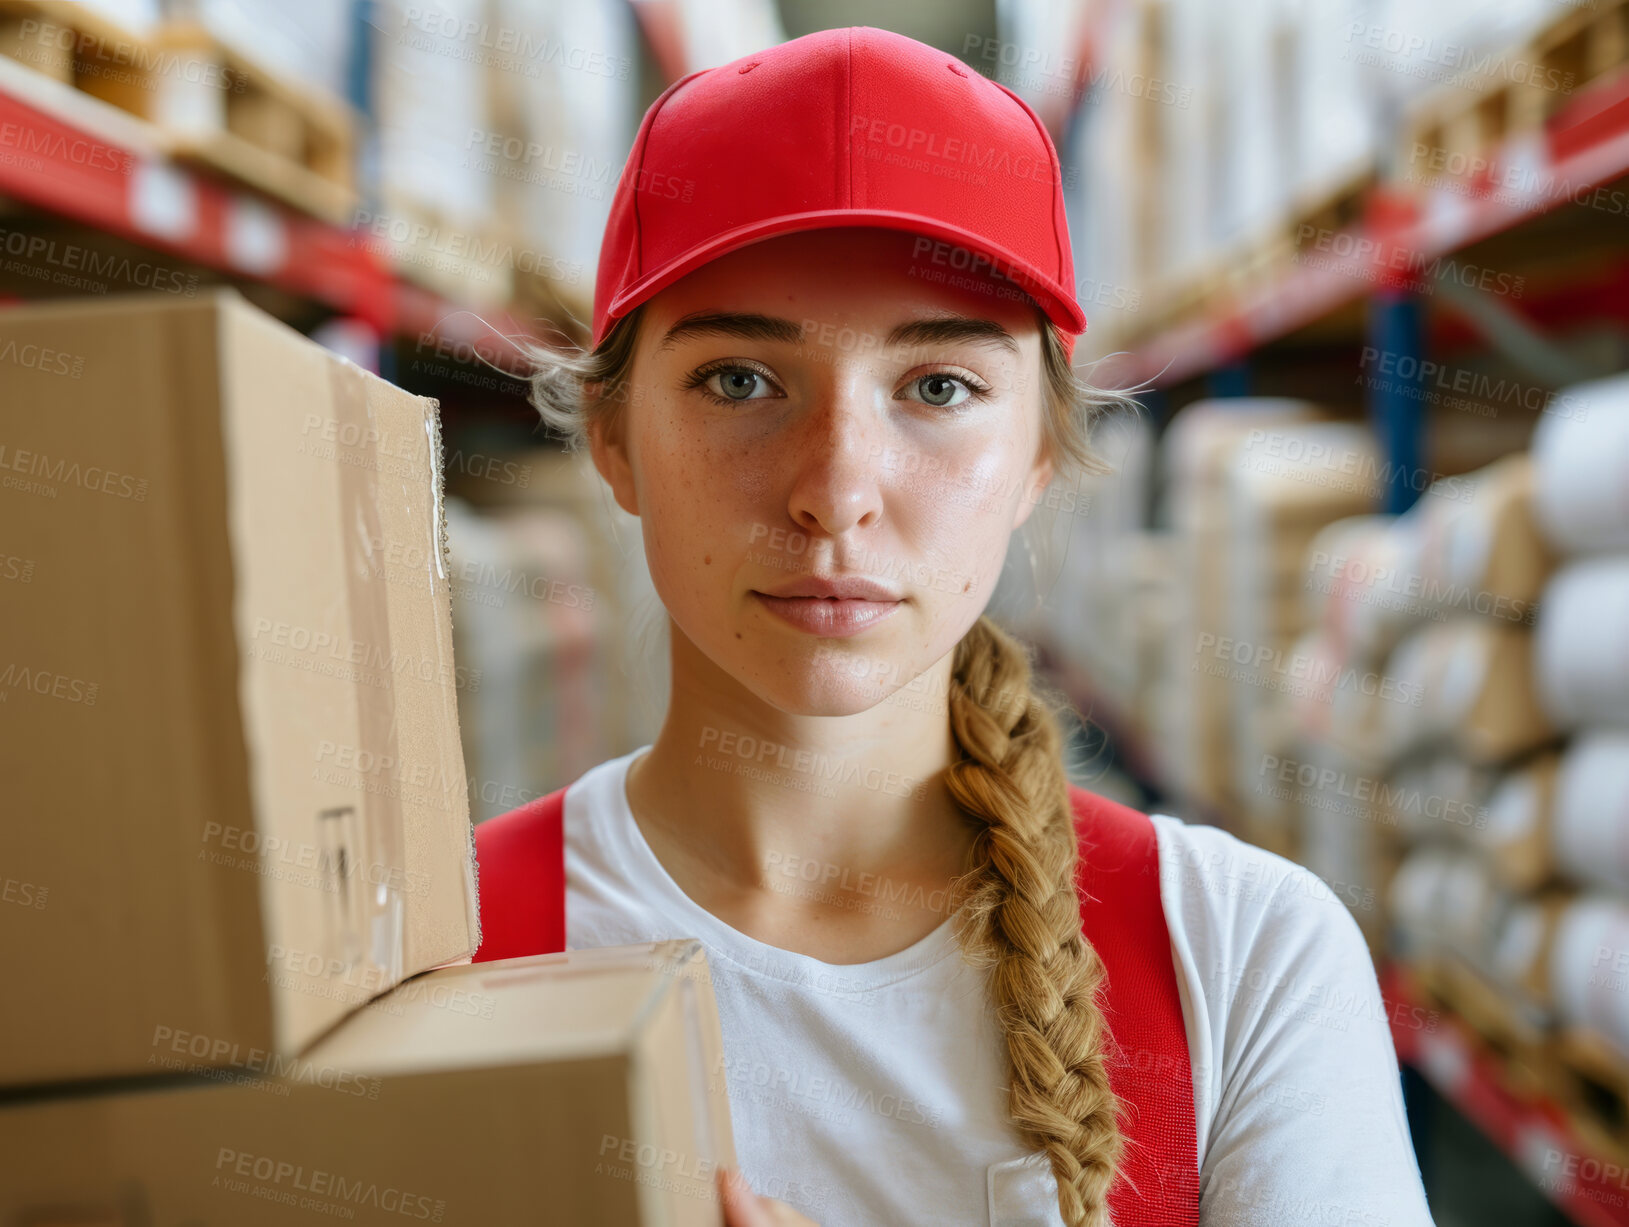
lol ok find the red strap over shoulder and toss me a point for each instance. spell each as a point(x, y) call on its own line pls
point(521, 857)
point(523, 911)
point(1121, 914)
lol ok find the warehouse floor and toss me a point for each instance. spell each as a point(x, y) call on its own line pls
point(1469, 1182)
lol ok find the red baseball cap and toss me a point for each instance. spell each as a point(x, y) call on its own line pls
point(845, 127)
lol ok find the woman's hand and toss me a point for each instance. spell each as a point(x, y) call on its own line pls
point(744, 1208)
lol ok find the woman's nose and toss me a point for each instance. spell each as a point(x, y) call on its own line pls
point(837, 484)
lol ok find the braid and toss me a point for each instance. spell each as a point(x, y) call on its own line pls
point(1020, 916)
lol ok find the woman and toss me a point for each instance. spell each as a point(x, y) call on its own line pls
point(830, 375)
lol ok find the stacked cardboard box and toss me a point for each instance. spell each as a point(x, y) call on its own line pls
point(582, 1088)
point(229, 690)
point(228, 713)
point(1423, 628)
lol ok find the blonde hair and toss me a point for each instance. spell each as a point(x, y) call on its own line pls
point(1018, 913)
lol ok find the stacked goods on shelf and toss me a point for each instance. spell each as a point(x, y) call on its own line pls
point(1285, 486)
point(1575, 813)
point(228, 699)
point(100, 50)
point(219, 102)
point(1121, 220)
point(563, 114)
point(1423, 655)
point(1321, 781)
point(527, 621)
point(1250, 115)
point(590, 1082)
point(227, 107)
point(1580, 499)
point(1528, 586)
point(1086, 536)
point(309, 41)
point(435, 219)
point(1194, 745)
point(554, 607)
point(1496, 76)
point(1190, 169)
point(1477, 951)
point(1332, 151)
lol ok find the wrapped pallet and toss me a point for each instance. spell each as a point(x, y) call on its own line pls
point(1588, 966)
point(1466, 683)
point(1582, 650)
point(1283, 487)
point(1482, 553)
point(1354, 587)
point(563, 111)
point(1443, 900)
point(1517, 826)
point(1198, 456)
point(436, 223)
point(1581, 456)
point(310, 41)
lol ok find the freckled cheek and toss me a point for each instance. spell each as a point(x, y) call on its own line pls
point(696, 533)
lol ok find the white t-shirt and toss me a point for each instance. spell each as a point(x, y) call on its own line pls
point(873, 1094)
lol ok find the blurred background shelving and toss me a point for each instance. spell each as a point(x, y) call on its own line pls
point(1358, 588)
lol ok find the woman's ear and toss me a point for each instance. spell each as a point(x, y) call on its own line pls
point(1040, 477)
point(608, 445)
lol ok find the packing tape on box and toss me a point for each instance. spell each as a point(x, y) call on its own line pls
point(377, 908)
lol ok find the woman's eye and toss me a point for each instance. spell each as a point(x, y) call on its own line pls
point(736, 383)
point(940, 390)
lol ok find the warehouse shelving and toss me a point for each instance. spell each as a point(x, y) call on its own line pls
point(1535, 1133)
point(1584, 146)
point(76, 158)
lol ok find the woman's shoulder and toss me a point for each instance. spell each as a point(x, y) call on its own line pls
point(1216, 872)
point(1255, 933)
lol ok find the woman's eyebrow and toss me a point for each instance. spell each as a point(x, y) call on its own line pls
point(936, 330)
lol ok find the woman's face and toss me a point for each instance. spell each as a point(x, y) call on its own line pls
point(842, 404)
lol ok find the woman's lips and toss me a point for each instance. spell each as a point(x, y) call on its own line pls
point(830, 617)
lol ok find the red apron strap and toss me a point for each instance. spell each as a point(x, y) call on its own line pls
point(521, 859)
point(1121, 914)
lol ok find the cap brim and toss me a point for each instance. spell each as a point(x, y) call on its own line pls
point(1056, 300)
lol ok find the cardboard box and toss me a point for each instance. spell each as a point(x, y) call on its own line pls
point(566, 1088)
point(227, 708)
